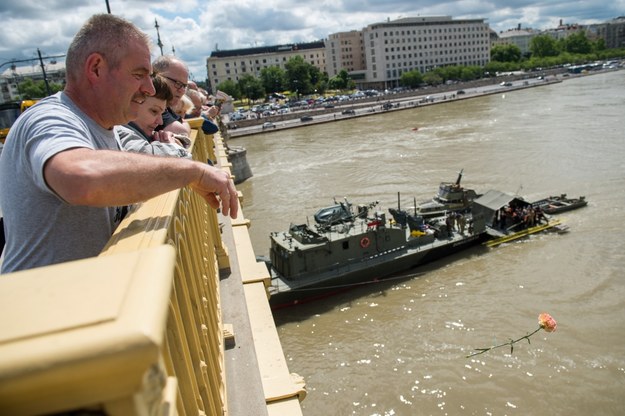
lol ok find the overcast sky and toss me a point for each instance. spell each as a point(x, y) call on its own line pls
point(195, 28)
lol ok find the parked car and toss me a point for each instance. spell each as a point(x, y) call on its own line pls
point(236, 117)
point(460, 92)
point(268, 125)
point(348, 112)
point(306, 118)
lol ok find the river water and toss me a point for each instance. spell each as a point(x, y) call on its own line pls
point(399, 347)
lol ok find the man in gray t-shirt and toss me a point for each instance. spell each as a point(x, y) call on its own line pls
point(63, 174)
point(53, 125)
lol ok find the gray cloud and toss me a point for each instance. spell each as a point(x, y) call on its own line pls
point(195, 27)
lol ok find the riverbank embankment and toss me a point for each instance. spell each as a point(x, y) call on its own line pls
point(399, 101)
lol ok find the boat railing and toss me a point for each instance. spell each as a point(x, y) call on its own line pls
point(148, 327)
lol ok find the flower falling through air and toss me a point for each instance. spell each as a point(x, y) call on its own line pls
point(545, 321)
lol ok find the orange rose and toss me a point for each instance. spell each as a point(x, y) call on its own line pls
point(547, 322)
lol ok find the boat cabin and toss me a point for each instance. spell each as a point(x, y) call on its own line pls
point(504, 212)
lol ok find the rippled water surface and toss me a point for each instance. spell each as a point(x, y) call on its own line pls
point(398, 348)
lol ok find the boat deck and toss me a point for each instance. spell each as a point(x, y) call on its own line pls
point(500, 238)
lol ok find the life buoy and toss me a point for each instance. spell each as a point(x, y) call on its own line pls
point(364, 243)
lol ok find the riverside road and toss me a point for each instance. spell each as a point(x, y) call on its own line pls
point(389, 102)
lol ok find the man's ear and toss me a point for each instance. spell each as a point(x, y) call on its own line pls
point(94, 66)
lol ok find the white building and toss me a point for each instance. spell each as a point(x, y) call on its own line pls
point(519, 37)
point(12, 76)
point(375, 57)
point(421, 43)
point(231, 65)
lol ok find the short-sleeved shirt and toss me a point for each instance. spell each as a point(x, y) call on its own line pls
point(42, 228)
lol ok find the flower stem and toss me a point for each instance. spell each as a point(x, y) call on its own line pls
point(479, 351)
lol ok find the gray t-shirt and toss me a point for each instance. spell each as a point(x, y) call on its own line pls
point(41, 228)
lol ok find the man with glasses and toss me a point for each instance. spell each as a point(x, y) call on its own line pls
point(176, 73)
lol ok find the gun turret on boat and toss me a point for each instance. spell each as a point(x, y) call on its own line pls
point(451, 197)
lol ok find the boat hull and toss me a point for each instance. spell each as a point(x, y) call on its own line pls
point(349, 277)
point(558, 204)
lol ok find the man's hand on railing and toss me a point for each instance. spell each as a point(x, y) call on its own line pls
point(215, 185)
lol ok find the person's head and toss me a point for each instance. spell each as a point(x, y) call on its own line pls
point(108, 69)
point(198, 101)
point(176, 73)
point(151, 111)
point(184, 106)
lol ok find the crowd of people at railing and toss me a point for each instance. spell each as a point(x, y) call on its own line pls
point(78, 158)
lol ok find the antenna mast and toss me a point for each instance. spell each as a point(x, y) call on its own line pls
point(158, 35)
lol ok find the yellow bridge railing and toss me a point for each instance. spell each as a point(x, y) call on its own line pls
point(141, 329)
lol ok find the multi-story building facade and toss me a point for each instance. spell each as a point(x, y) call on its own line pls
point(519, 37)
point(11, 78)
point(231, 65)
point(421, 43)
point(563, 30)
point(612, 32)
point(375, 57)
point(345, 50)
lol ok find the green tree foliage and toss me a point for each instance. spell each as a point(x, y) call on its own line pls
point(322, 85)
point(230, 88)
point(251, 87)
point(202, 84)
point(472, 72)
point(432, 78)
point(454, 73)
point(340, 81)
point(30, 89)
point(577, 43)
point(298, 76)
point(273, 78)
point(505, 53)
point(494, 66)
point(411, 79)
point(318, 79)
point(543, 45)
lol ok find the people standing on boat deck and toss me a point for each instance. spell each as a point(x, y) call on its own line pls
point(531, 216)
point(449, 222)
point(177, 75)
point(462, 222)
point(69, 177)
point(540, 215)
point(139, 136)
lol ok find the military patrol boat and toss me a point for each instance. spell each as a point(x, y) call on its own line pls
point(346, 248)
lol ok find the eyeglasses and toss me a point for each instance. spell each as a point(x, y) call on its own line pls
point(179, 85)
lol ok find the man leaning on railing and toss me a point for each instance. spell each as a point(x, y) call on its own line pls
point(65, 181)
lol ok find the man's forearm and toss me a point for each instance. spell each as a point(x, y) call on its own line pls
point(110, 178)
